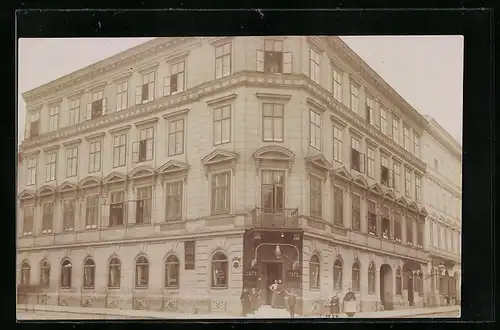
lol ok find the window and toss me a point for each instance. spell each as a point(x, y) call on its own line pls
point(68, 214)
point(357, 158)
point(222, 125)
point(45, 273)
point(420, 235)
point(117, 208)
point(219, 270)
point(337, 144)
point(53, 118)
point(356, 212)
point(273, 59)
point(371, 278)
point(141, 272)
point(92, 211)
point(273, 122)
point(338, 204)
point(316, 206)
point(337, 275)
point(431, 233)
point(371, 162)
point(172, 272)
point(445, 238)
point(98, 106)
point(314, 129)
point(223, 60)
point(397, 227)
point(314, 273)
point(418, 190)
point(383, 121)
point(174, 201)
point(337, 85)
point(95, 156)
point(114, 273)
point(314, 72)
point(89, 274)
point(221, 192)
point(407, 183)
point(143, 149)
point(372, 218)
point(25, 273)
point(386, 223)
point(409, 231)
point(273, 191)
point(384, 171)
point(122, 96)
point(397, 176)
point(34, 124)
point(48, 216)
point(406, 137)
point(50, 167)
point(354, 98)
point(74, 112)
point(146, 91)
point(416, 144)
point(452, 243)
point(66, 274)
point(31, 175)
point(28, 220)
point(143, 205)
point(369, 111)
point(120, 150)
point(176, 137)
point(355, 277)
point(175, 82)
point(395, 129)
point(439, 240)
point(398, 282)
point(71, 162)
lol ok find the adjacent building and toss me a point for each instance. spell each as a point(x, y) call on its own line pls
point(175, 174)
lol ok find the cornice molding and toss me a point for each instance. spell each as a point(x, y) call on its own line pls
point(120, 129)
point(273, 96)
point(316, 105)
point(122, 77)
point(51, 148)
point(97, 86)
point(146, 122)
point(72, 143)
point(55, 102)
point(75, 95)
point(96, 136)
point(355, 132)
point(338, 122)
point(221, 41)
point(148, 68)
point(176, 113)
point(222, 99)
point(177, 57)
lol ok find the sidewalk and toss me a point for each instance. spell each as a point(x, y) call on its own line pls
point(131, 313)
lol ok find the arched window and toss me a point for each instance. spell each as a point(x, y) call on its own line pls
point(114, 273)
point(337, 275)
point(45, 273)
point(66, 267)
point(172, 271)
point(141, 272)
point(355, 276)
point(371, 278)
point(398, 281)
point(89, 274)
point(314, 272)
point(219, 270)
point(25, 273)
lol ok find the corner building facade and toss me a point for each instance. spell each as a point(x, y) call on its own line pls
point(175, 174)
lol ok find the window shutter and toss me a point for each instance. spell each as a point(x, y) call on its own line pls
point(260, 61)
point(135, 152)
point(166, 86)
point(88, 113)
point(138, 95)
point(104, 105)
point(287, 62)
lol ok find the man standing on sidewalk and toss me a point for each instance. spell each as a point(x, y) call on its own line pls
point(292, 302)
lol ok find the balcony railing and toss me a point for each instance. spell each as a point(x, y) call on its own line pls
point(286, 218)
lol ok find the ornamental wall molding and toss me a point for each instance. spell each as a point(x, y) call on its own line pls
point(173, 102)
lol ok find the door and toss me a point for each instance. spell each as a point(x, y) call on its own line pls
point(273, 272)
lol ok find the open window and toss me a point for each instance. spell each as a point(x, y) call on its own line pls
point(372, 219)
point(146, 91)
point(386, 223)
point(97, 107)
point(357, 157)
point(272, 59)
point(142, 150)
point(117, 209)
point(397, 227)
point(34, 125)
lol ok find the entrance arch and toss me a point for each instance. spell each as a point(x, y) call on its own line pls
point(386, 285)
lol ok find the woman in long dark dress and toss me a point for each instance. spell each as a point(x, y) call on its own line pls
point(245, 302)
point(335, 306)
point(349, 297)
point(273, 288)
point(280, 291)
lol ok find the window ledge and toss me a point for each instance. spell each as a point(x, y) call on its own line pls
point(141, 288)
point(219, 288)
point(114, 288)
point(314, 289)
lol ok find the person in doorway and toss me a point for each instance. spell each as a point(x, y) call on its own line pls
point(292, 302)
point(335, 306)
point(273, 289)
point(280, 295)
point(245, 302)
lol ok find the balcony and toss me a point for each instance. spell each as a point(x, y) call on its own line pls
point(286, 218)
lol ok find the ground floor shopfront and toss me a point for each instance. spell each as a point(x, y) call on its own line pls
point(207, 274)
point(444, 282)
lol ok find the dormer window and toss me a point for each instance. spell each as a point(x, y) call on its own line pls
point(146, 91)
point(97, 107)
point(273, 59)
point(175, 82)
point(34, 124)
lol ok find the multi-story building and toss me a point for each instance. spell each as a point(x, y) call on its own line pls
point(443, 198)
point(176, 173)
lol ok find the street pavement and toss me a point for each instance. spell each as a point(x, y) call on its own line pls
point(453, 314)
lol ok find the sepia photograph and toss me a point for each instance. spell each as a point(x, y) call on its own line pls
point(239, 177)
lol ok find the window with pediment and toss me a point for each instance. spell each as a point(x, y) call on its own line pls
point(68, 214)
point(221, 192)
point(144, 205)
point(117, 208)
point(316, 196)
point(174, 200)
point(338, 206)
point(273, 191)
point(356, 211)
point(47, 217)
point(31, 171)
